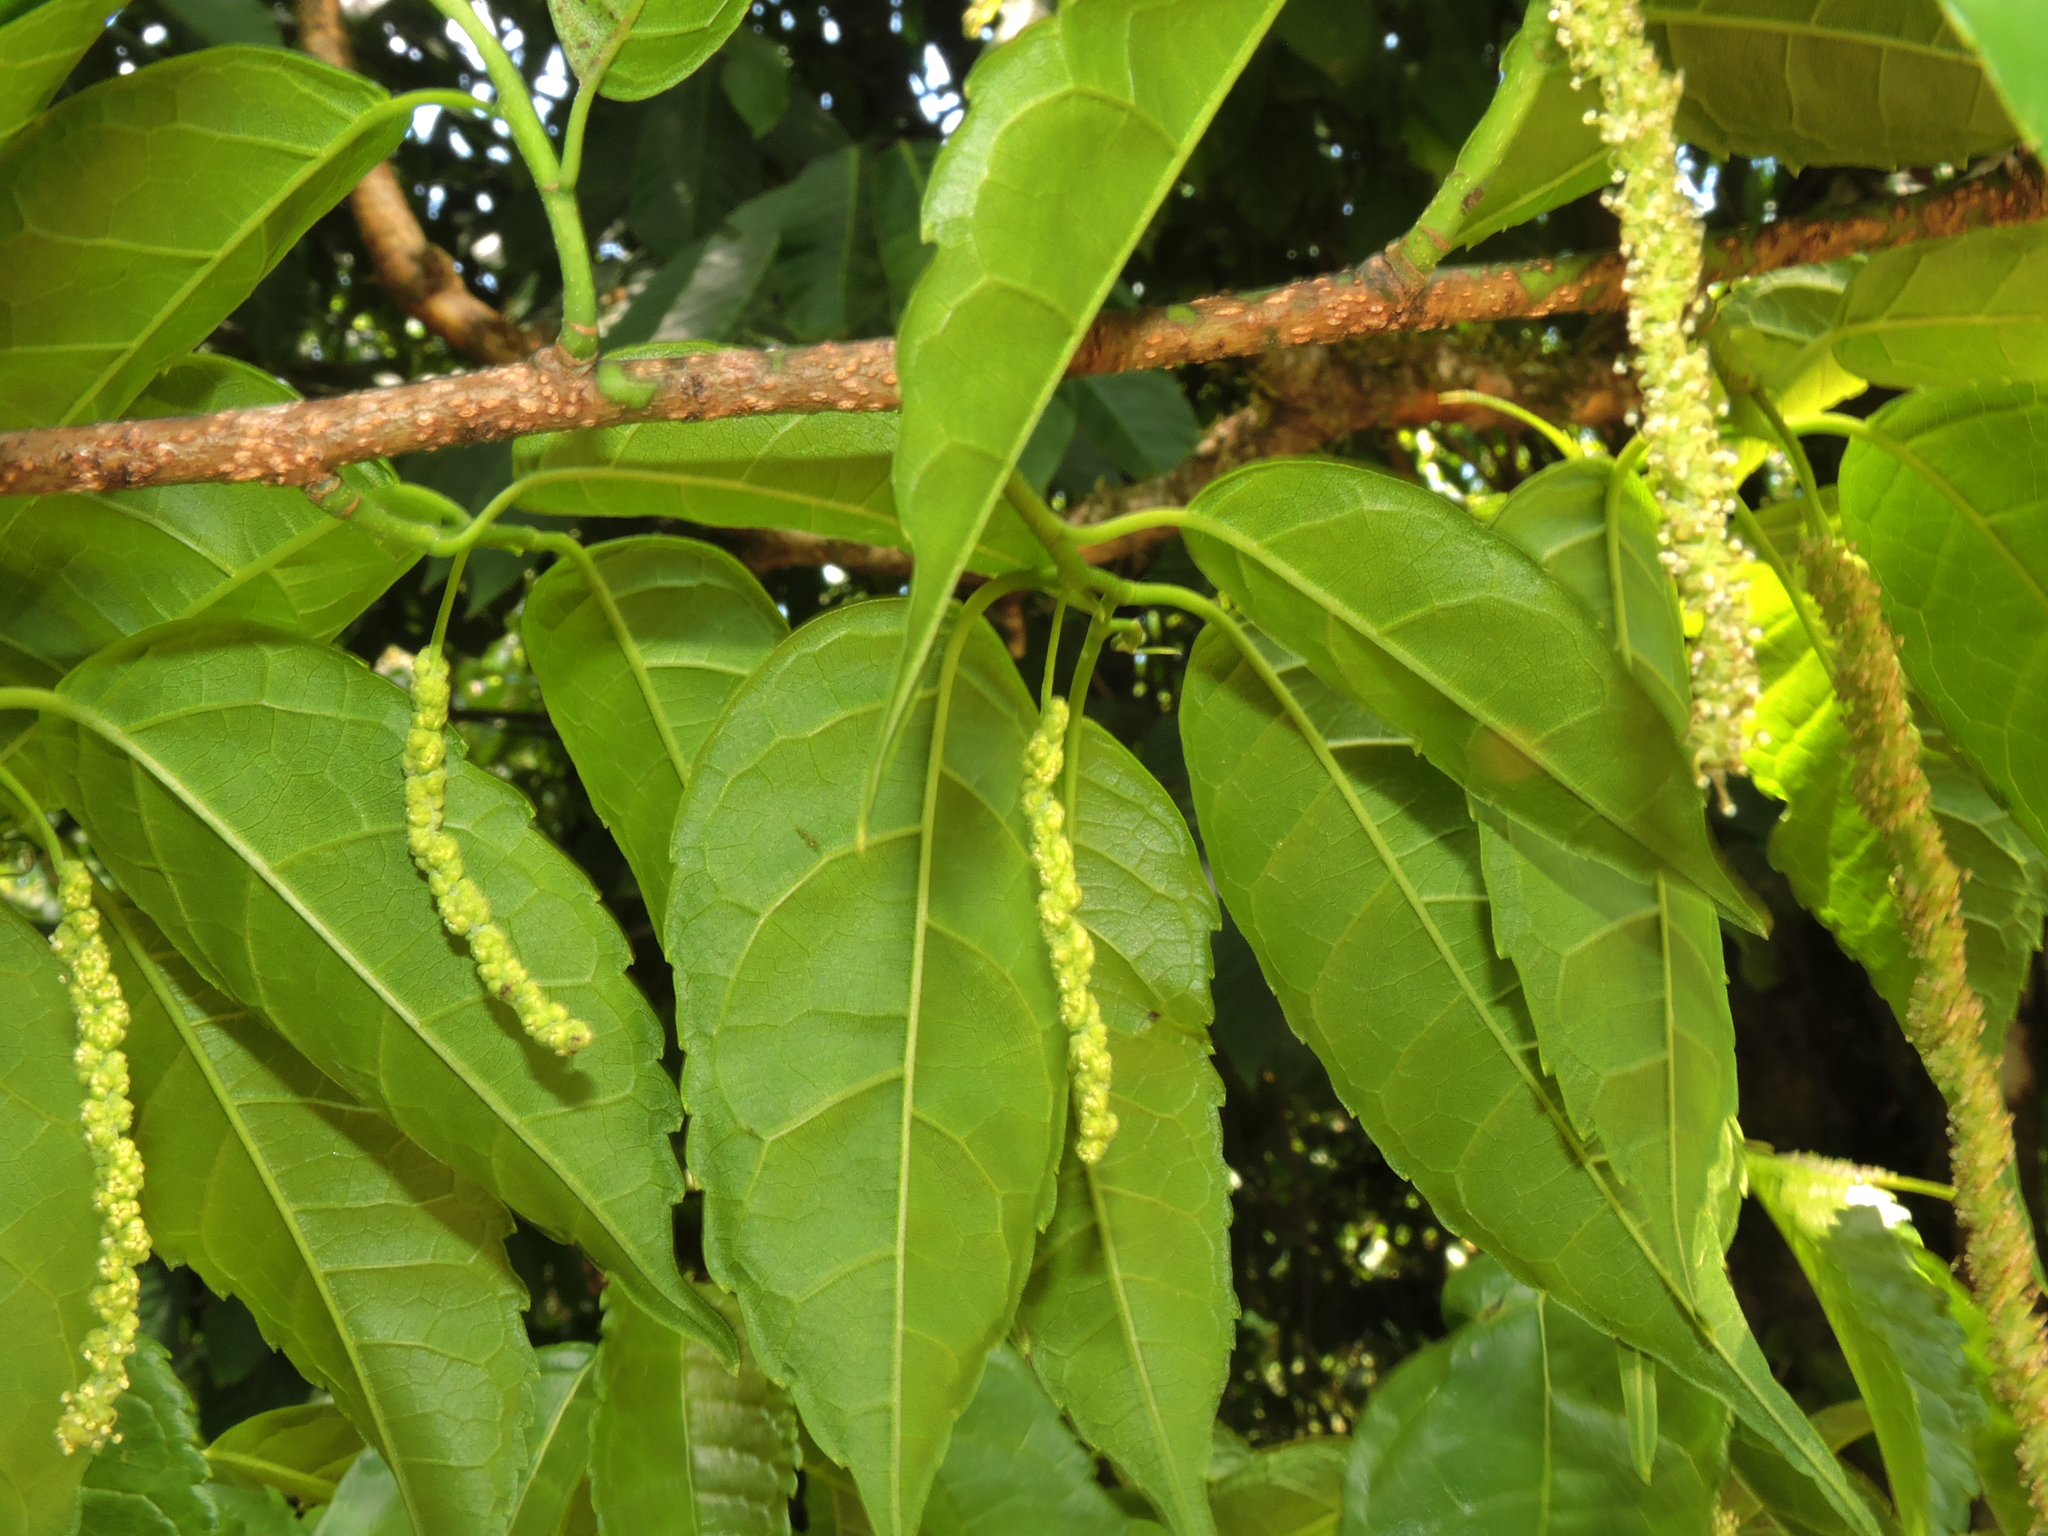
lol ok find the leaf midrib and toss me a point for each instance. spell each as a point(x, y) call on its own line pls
point(1187, 1518)
point(1343, 613)
point(1515, 1057)
point(1657, 15)
point(261, 867)
point(316, 159)
point(231, 1111)
point(539, 1458)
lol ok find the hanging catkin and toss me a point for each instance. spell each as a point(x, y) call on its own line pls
point(1073, 951)
point(1945, 1018)
point(88, 1419)
point(464, 909)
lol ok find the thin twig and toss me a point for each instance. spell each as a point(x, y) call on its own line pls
point(414, 271)
point(302, 442)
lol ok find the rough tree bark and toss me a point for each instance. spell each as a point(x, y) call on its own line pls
point(300, 443)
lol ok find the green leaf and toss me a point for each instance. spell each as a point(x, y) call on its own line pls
point(1129, 1307)
point(282, 806)
point(831, 1502)
point(2014, 52)
point(150, 1481)
point(252, 1511)
point(49, 1235)
point(1778, 327)
point(218, 23)
point(874, 1067)
point(1362, 896)
point(826, 276)
point(701, 294)
point(1558, 517)
point(825, 474)
point(901, 174)
point(114, 261)
point(79, 572)
point(1963, 560)
point(755, 79)
point(303, 1450)
point(1860, 1253)
point(380, 1273)
point(1772, 1499)
point(694, 164)
point(1141, 422)
point(1970, 310)
point(366, 1503)
point(1014, 1469)
point(558, 1439)
point(1998, 1435)
point(1145, 897)
point(1881, 85)
point(635, 698)
point(680, 1445)
point(1499, 674)
point(669, 40)
point(1519, 1423)
point(1622, 976)
point(1533, 150)
point(37, 51)
point(1295, 1489)
point(1838, 866)
point(1074, 132)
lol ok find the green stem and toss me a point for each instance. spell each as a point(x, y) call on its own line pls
point(1617, 486)
point(1055, 534)
point(1052, 654)
point(439, 642)
point(38, 824)
point(1815, 515)
point(1129, 523)
point(530, 137)
point(1527, 417)
point(1077, 709)
point(586, 93)
point(636, 662)
point(1838, 425)
point(1817, 634)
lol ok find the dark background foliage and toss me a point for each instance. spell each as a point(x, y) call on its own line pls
point(1331, 142)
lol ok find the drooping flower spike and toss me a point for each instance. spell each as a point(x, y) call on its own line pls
point(1690, 470)
point(89, 1414)
point(1072, 950)
point(465, 910)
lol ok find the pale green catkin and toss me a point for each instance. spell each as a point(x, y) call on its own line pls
point(1692, 472)
point(88, 1419)
point(464, 909)
point(1073, 952)
point(1945, 1018)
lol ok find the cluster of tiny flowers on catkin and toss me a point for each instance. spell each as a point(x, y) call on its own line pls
point(1690, 469)
point(88, 1418)
point(1073, 952)
point(463, 907)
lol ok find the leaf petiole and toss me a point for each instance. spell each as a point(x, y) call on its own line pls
point(1550, 429)
point(1833, 422)
point(1077, 699)
point(36, 823)
point(586, 93)
point(1617, 485)
point(530, 137)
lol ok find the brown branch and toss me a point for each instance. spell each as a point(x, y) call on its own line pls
point(300, 443)
point(1307, 398)
point(414, 271)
